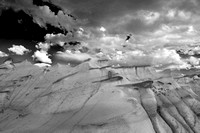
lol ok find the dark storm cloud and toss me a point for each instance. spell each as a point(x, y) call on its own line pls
point(102, 12)
point(135, 25)
point(101, 9)
point(52, 7)
point(117, 16)
point(19, 25)
point(141, 17)
point(30, 20)
point(121, 16)
point(187, 5)
point(43, 14)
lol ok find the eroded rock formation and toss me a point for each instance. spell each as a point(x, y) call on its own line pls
point(97, 99)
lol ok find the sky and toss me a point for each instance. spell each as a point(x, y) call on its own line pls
point(74, 31)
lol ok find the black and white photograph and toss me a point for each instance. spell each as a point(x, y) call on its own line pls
point(99, 66)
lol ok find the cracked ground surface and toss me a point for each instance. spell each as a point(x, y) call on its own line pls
point(100, 99)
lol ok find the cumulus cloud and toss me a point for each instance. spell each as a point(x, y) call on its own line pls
point(171, 13)
point(189, 51)
point(18, 49)
point(144, 19)
point(2, 54)
point(73, 58)
point(193, 61)
point(61, 38)
point(43, 46)
point(162, 58)
point(102, 27)
point(169, 58)
point(132, 58)
point(166, 56)
point(43, 15)
point(174, 33)
point(59, 42)
point(99, 41)
point(108, 43)
point(42, 56)
point(138, 17)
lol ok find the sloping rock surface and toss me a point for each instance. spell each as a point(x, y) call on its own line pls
point(88, 99)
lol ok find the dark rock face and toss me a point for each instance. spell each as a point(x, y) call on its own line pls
point(85, 99)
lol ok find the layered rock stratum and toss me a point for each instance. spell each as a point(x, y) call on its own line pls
point(92, 98)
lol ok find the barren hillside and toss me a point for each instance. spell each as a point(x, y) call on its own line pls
point(92, 98)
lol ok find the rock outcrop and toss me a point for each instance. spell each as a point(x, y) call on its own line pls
point(100, 99)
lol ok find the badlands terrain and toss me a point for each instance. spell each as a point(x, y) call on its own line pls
point(98, 98)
